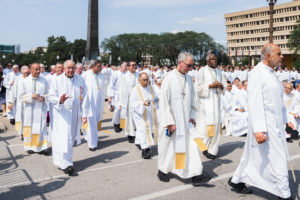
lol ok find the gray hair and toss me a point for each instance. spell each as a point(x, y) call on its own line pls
point(79, 65)
point(52, 66)
point(94, 63)
point(208, 57)
point(15, 66)
point(23, 68)
point(267, 49)
point(67, 62)
point(124, 63)
point(184, 56)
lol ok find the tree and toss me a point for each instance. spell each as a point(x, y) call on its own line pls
point(294, 40)
point(78, 49)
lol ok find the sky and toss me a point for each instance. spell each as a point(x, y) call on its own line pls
point(30, 22)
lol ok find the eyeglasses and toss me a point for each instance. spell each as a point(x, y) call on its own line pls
point(288, 88)
point(145, 80)
point(133, 65)
point(190, 65)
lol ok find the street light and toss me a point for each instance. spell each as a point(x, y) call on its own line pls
point(271, 12)
point(57, 57)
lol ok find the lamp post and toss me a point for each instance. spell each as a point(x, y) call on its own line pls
point(271, 12)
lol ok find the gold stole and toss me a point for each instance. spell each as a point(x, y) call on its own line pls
point(289, 101)
point(145, 116)
point(85, 126)
point(210, 130)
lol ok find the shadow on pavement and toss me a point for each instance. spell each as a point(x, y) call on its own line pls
point(106, 143)
point(33, 189)
point(102, 158)
point(229, 148)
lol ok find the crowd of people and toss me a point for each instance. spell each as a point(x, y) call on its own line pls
point(182, 109)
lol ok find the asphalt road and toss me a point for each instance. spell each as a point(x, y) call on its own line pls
point(117, 171)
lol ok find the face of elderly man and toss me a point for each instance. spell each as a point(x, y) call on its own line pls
point(276, 57)
point(59, 69)
point(132, 67)
point(35, 70)
point(15, 69)
point(43, 68)
point(25, 72)
point(79, 69)
point(69, 69)
point(144, 79)
point(184, 66)
point(288, 88)
point(212, 61)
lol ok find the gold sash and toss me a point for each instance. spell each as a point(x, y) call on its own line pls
point(210, 130)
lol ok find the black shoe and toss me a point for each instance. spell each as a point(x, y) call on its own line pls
point(162, 176)
point(93, 149)
point(30, 152)
point(290, 198)
point(69, 170)
point(46, 152)
point(12, 121)
point(240, 187)
point(138, 146)
point(146, 153)
point(117, 128)
point(131, 139)
point(22, 138)
point(209, 156)
point(289, 140)
point(199, 180)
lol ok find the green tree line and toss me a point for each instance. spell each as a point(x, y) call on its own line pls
point(162, 48)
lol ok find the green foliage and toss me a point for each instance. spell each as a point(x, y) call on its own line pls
point(164, 48)
point(57, 46)
point(294, 40)
point(297, 63)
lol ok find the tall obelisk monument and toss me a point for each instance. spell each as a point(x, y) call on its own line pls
point(92, 45)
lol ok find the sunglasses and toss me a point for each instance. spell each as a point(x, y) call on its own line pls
point(190, 65)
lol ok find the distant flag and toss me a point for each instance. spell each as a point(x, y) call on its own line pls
point(236, 52)
point(222, 51)
point(217, 52)
point(242, 52)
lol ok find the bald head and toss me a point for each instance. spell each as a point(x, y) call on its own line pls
point(271, 55)
point(35, 69)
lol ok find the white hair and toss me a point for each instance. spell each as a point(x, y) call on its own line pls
point(68, 62)
point(268, 49)
point(79, 65)
point(24, 67)
point(184, 56)
point(15, 66)
point(52, 66)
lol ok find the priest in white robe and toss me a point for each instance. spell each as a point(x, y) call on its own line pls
point(227, 103)
point(113, 94)
point(66, 94)
point(177, 144)
point(127, 82)
point(34, 92)
point(16, 100)
point(209, 85)
point(264, 163)
point(143, 107)
point(8, 83)
point(94, 103)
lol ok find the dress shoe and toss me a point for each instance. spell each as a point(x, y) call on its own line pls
point(46, 152)
point(209, 156)
point(239, 187)
point(290, 198)
point(162, 176)
point(131, 139)
point(93, 149)
point(30, 152)
point(22, 138)
point(146, 153)
point(117, 128)
point(69, 170)
point(289, 140)
point(199, 180)
point(12, 121)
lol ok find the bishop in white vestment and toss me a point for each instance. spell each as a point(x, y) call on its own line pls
point(143, 106)
point(178, 142)
point(66, 94)
point(34, 93)
point(94, 103)
point(210, 84)
point(127, 82)
point(264, 163)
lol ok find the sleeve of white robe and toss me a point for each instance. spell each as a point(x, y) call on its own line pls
point(167, 117)
point(7, 81)
point(202, 88)
point(193, 104)
point(53, 95)
point(137, 106)
point(13, 95)
point(112, 85)
point(256, 104)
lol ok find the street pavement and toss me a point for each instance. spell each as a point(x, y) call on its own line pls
point(117, 171)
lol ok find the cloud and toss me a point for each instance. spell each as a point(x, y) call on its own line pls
point(191, 21)
point(155, 3)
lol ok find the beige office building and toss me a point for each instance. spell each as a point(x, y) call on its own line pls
point(247, 31)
